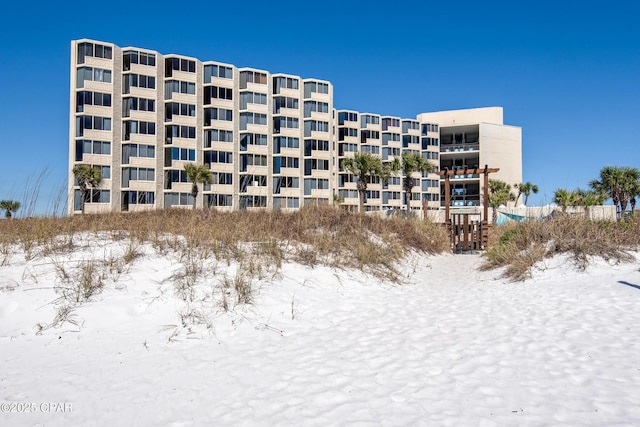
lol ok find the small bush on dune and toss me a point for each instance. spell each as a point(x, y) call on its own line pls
point(520, 246)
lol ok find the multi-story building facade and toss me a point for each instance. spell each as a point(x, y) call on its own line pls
point(270, 140)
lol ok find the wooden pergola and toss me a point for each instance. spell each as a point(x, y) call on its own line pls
point(466, 234)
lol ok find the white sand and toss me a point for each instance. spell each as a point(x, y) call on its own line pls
point(323, 347)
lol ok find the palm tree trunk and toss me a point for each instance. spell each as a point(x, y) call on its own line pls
point(83, 196)
point(406, 188)
point(623, 207)
point(194, 194)
point(361, 185)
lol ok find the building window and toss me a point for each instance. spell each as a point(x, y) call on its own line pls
point(247, 160)
point(253, 202)
point(91, 122)
point(217, 157)
point(426, 142)
point(137, 104)
point(284, 83)
point(409, 125)
point(84, 146)
point(219, 71)
point(137, 150)
point(177, 86)
point(285, 163)
point(389, 137)
point(373, 149)
point(388, 122)
point(176, 131)
point(247, 139)
point(93, 50)
point(184, 154)
point(247, 98)
point(252, 118)
point(368, 119)
point(288, 202)
point(315, 184)
point(344, 116)
point(315, 126)
point(215, 92)
point(428, 127)
point(92, 74)
point(280, 142)
point(220, 178)
point(217, 114)
point(252, 181)
point(178, 64)
point(315, 106)
point(137, 80)
point(137, 174)
point(92, 98)
point(285, 122)
point(410, 139)
point(252, 77)
point(178, 109)
point(315, 145)
point(217, 135)
point(346, 132)
point(218, 199)
point(285, 182)
point(315, 164)
point(138, 198)
point(134, 57)
point(284, 102)
point(315, 87)
point(134, 126)
point(178, 199)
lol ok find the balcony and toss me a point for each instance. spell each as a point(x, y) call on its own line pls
point(458, 148)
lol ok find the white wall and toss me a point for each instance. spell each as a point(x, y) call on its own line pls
point(462, 117)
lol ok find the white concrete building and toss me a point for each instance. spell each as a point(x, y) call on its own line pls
point(270, 140)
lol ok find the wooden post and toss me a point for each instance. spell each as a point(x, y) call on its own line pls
point(486, 192)
point(447, 195)
point(465, 230)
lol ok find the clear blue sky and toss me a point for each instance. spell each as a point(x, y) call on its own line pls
point(567, 72)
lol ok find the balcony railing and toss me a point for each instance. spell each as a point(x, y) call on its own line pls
point(458, 148)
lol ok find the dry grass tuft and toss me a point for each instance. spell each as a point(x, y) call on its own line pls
point(312, 235)
point(519, 246)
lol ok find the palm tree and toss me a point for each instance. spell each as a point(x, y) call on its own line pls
point(197, 174)
point(635, 193)
point(410, 163)
point(9, 206)
point(586, 199)
point(364, 166)
point(630, 187)
point(87, 177)
point(499, 193)
point(525, 188)
point(337, 200)
point(619, 184)
point(563, 198)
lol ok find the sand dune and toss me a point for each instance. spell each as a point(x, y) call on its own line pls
point(451, 345)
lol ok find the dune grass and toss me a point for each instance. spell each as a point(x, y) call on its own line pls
point(251, 245)
point(313, 235)
point(519, 246)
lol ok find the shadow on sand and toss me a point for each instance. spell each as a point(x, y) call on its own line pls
point(629, 284)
